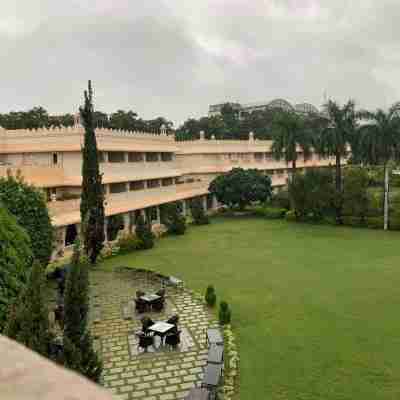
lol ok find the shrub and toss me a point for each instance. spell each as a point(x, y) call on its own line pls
point(374, 222)
point(15, 258)
point(290, 216)
point(28, 206)
point(173, 219)
point(128, 243)
point(281, 199)
point(224, 313)
point(114, 225)
point(394, 223)
point(198, 214)
point(270, 212)
point(144, 233)
point(210, 297)
point(352, 221)
point(355, 192)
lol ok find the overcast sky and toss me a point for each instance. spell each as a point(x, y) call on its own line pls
point(175, 57)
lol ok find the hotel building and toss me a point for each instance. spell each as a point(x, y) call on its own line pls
point(141, 171)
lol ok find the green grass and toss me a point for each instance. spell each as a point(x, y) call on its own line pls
point(315, 308)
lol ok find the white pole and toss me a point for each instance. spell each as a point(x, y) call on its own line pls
point(386, 200)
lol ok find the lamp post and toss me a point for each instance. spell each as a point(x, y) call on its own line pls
point(386, 199)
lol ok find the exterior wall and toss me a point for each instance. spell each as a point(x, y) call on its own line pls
point(134, 166)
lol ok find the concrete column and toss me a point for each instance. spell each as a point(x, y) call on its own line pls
point(127, 186)
point(105, 228)
point(105, 156)
point(143, 214)
point(204, 199)
point(214, 203)
point(184, 208)
point(125, 156)
point(158, 220)
point(127, 222)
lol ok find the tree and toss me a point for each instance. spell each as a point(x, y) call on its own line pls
point(355, 192)
point(289, 134)
point(15, 259)
point(144, 233)
point(29, 207)
point(240, 187)
point(335, 138)
point(28, 321)
point(92, 197)
point(173, 219)
point(79, 353)
point(378, 142)
point(197, 210)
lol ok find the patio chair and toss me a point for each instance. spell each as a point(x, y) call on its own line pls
point(158, 305)
point(139, 293)
point(173, 339)
point(174, 319)
point(161, 293)
point(146, 324)
point(140, 306)
point(145, 341)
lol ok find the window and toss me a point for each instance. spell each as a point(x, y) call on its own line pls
point(179, 181)
point(136, 185)
point(153, 183)
point(55, 158)
point(135, 157)
point(259, 156)
point(166, 156)
point(151, 157)
point(167, 181)
point(116, 156)
point(117, 187)
point(268, 156)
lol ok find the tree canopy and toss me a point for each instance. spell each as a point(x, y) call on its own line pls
point(15, 259)
point(28, 205)
point(240, 187)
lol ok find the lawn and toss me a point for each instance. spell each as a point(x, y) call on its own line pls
point(315, 308)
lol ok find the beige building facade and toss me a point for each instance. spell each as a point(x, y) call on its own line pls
point(141, 171)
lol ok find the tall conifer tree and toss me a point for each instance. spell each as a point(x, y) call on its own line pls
point(92, 197)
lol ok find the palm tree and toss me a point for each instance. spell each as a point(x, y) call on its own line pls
point(289, 134)
point(334, 139)
point(379, 142)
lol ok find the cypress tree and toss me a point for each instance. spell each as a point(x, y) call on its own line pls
point(28, 321)
point(79, 353)
point(92, 197)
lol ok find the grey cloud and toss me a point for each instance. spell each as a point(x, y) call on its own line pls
point(174, 58)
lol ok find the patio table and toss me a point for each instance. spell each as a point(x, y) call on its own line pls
point(161, 328)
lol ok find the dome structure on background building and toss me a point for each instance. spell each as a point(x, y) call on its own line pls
point(280, 103)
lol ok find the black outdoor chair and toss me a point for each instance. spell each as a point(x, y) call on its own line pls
point(158, 305)
point(146, 324)
point(145, 341)
point(173, 321)
point(139, 293)
point(140, 306)
point(173, 339)
point(161, 293)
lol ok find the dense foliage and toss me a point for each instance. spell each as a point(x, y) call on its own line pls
point(79, 353)
point(15, 258)
point(144, 233)
point(224, 314)
point(92, 196)
point(239, 187)
point(198, 213)
point(28, 321)
point(210, 296)
point(28, 206)
point(172, 218)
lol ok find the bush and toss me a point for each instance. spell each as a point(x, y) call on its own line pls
point(210, 297)
point(144, 233)
point(198, 214)
point(281, 199)
point(129, 243)
point(290, 216)
point(114, 225)
point(374, 222)
point(28, 206)
point(394, 223)
point(352, 221)
point(270, 212)
point(356, 200)
point(224, 313)
point(15, 258)
point(173, 219)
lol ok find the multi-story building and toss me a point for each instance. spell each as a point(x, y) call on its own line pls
point(302, 108)
point(141, 171)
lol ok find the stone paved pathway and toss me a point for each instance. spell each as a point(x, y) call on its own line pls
point(160, 375)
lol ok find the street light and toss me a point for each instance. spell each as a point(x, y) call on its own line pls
point(386, 199)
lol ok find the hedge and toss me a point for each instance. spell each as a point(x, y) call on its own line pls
point(270, 212)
